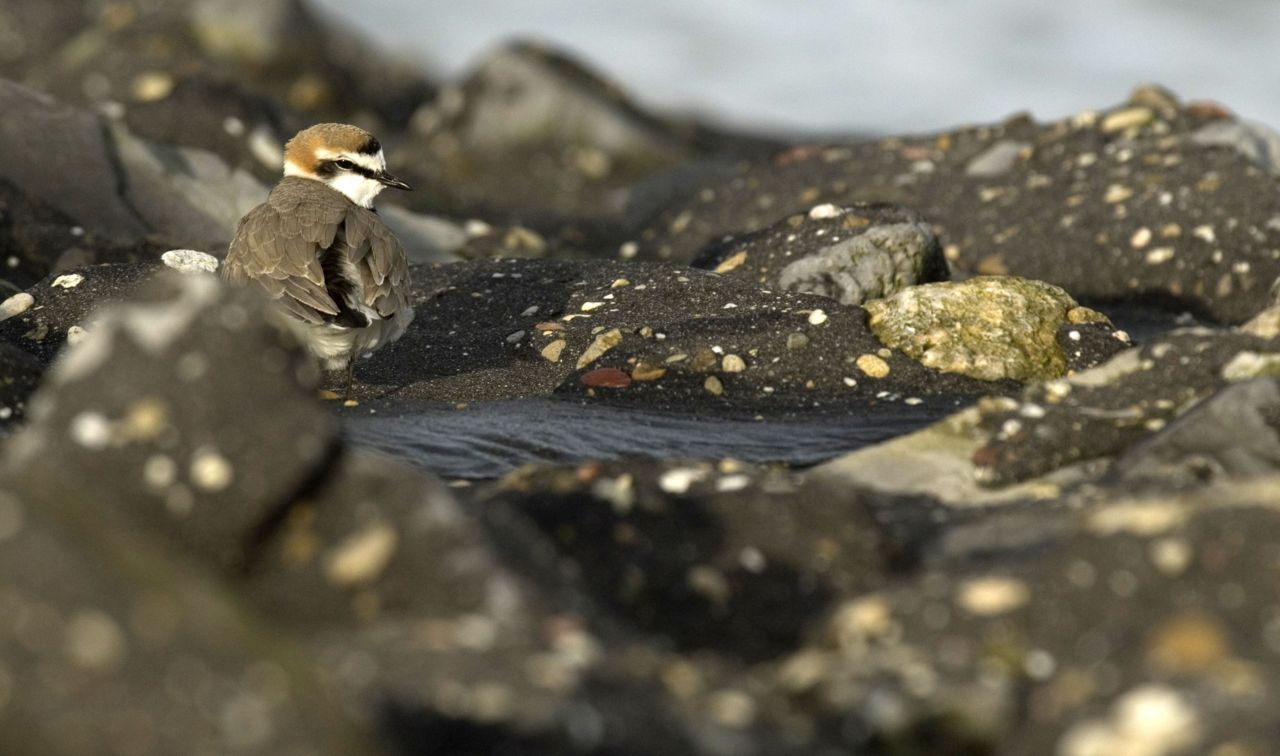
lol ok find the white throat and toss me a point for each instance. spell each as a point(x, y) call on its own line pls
point(358, 189)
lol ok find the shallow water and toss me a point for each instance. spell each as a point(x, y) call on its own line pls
point(487, 439)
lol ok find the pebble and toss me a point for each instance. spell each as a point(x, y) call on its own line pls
point(589, 306)
point(67, 281)
point(797, 340)
point(76, 334)
point(606, 377)
point(1120, 120)
point(94, 641)
point(992, 596)
point(210, 470)
point(362, 557)
point(713, 385)
point(190, 261)
point(823, 212)
point(679, 480)
point(731, 262)
point(732, 363)
point(645, 371)
point(817, 317)
point(16, 305)
point(873, 366)
point(603, 343)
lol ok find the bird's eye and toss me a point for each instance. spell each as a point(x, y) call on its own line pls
point(345, 165)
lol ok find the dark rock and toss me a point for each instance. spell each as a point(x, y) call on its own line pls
point(1102, 412)
point(123, 192)
point(36, 240)
point(65, 301)
point(111, 641)
point(19, 375)
point(851, 254)
point(1113, 638)
point(141, 417)
point(139, 54)
point(1232, 435)
point(1127, 204)
point(687, 338)
point(531, 135)
point(246, 130)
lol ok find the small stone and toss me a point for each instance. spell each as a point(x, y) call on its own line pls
point(733, 709)
point(817, 317)
point(992, 596)
point(548, 327)
point(68, 281)
point(1117, 193)
point(76, 334)
point(823, 212)
point(647, 371)
point(679, 480)
point(1160, 255)
point(713, 385)
point(1140, 238)
point(797, 340)
point(602, 344)
point(190, 261)
point(152, 86)
point(552, 352)
point(731, 262)
point(362, 557)
point(94, 641)
point(1205, 233)
point(512, 338)
point(589, 306)
point(619, 283)
point(732, 363)
point(16, 305)
point(210, 470)
point(1127, 118)
point(606, 377)
point(872, 365)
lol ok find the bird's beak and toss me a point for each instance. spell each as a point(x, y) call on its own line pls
point(388, 180)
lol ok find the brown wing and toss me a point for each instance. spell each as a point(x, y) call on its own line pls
point(381, 262)
point(278, 245)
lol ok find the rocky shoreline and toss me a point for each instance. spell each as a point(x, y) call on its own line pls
point(203, 553)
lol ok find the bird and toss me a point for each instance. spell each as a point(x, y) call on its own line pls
point(321, 252)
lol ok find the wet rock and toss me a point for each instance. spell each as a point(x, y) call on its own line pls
point(851, 254)
point(136, 417)
point(987, 327)
point(1123, 205)
point(672, 326)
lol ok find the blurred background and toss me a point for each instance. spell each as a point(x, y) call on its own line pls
point(892, 65)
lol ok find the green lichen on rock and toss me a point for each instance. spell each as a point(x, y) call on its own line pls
point(990, 327)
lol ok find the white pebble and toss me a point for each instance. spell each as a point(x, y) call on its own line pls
point(821, 212)
point(817, 317)
point(190, 261)
point(68, 281)
point(16, 305)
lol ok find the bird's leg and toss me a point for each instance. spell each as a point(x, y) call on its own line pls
point(351, 375)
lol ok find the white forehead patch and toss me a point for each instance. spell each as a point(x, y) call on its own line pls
point(375, 162)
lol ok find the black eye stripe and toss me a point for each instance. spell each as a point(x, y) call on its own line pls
point(335, 165)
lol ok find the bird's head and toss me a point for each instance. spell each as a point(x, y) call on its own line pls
point(347, 158)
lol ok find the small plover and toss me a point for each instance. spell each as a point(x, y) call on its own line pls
point(320, 250)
